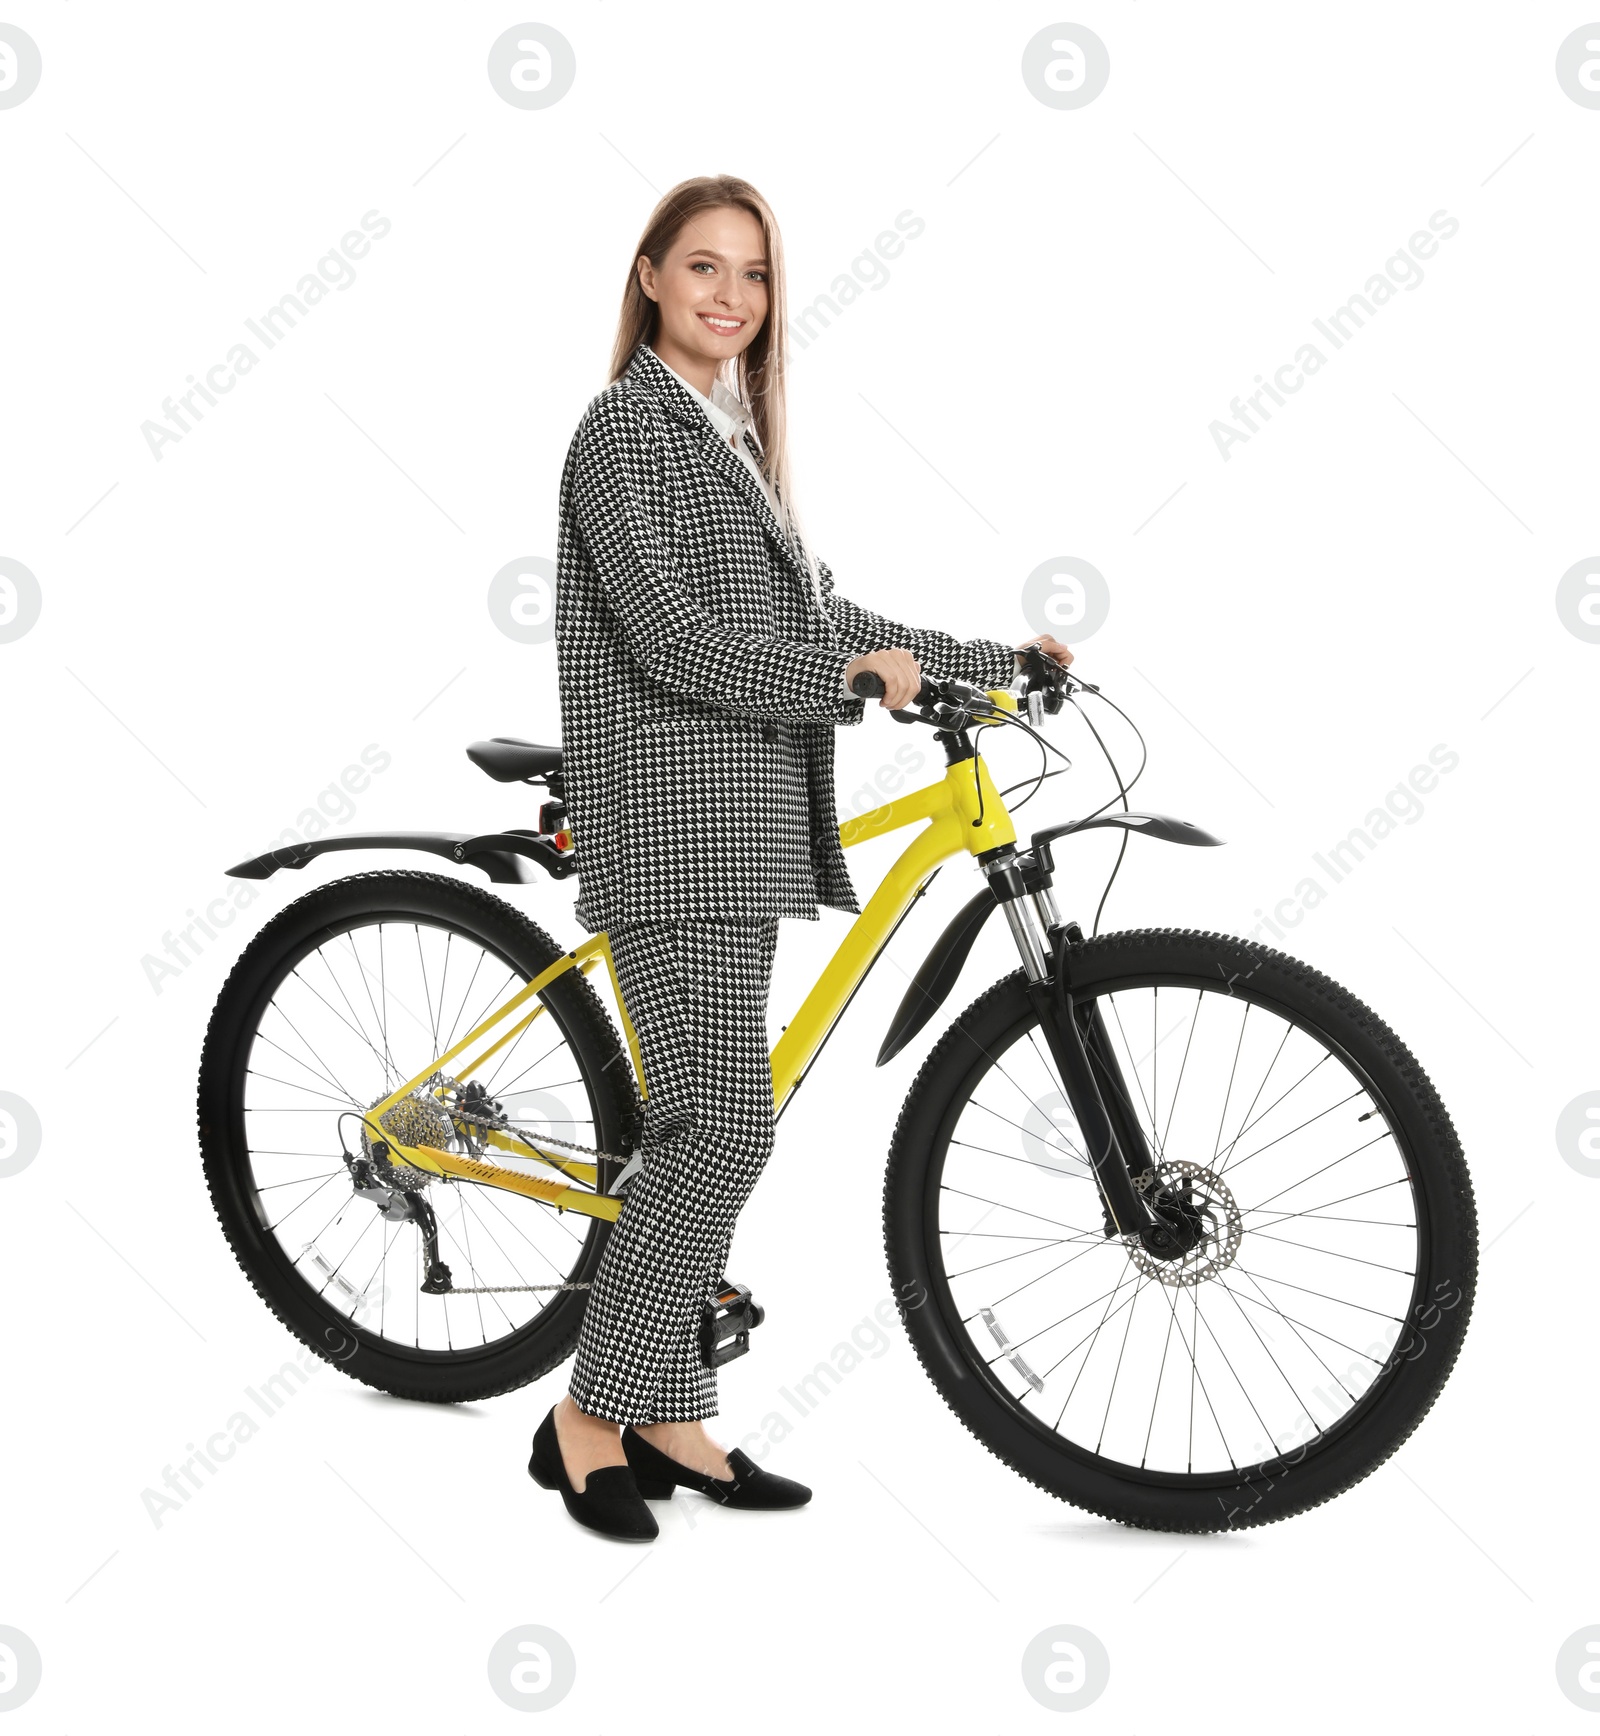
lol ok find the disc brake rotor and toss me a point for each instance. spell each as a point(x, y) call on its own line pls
point(1204, 1199)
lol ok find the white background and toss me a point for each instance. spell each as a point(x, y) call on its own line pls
point(306, 573)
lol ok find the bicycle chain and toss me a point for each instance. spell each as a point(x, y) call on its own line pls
point(546, 1139)
point(504, 1124)
point(513, 1289)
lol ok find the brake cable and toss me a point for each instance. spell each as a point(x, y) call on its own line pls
point(1048, 747)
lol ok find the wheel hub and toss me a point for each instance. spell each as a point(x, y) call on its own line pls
point(1199, 1230)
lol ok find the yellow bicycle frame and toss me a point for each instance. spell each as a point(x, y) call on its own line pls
point(963, 811)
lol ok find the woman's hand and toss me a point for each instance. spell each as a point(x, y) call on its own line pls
point(1050, 646)
point(901, 672)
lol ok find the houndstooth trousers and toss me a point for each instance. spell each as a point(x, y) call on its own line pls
point(696, 992)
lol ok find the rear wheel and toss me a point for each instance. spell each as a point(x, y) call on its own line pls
point(344, 996)
point(1313, 1321)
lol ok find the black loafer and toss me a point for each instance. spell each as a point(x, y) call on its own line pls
point(749, 1487)
point(609, 1501)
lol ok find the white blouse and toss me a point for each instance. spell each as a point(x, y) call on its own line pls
point(728, 415)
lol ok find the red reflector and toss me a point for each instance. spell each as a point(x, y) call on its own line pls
point(564, 839)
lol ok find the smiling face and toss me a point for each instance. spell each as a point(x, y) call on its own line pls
point(712, 289)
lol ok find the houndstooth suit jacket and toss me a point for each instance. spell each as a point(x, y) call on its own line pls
point(699, 685)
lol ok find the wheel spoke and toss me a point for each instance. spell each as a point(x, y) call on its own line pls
point(1310, 1328)
point(1094, 1337)
point(1227, 1156)
point(1344, 1302)
point(490, 1084)
point(1323, 1171)
point(461, 1006)
point(1288, 1031)
point(1020, 1254)
point(1172, 1108)
point(1013, 1157)
point(337, 1175)
point(1116, 1372)
point(1002, 1206)
point(352, 1023)
point(318, 1072)
point(1334, 1254)
point(299, 1181)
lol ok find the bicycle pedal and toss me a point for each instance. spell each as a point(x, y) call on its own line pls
point(726, 1320)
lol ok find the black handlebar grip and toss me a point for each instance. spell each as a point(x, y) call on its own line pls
point(868, 685)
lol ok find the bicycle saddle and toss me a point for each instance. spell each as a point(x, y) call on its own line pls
point(510, 760)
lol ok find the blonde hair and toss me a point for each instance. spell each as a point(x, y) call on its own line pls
point(759, 372)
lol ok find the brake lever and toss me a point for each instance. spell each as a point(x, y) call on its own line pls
point(1049, 684)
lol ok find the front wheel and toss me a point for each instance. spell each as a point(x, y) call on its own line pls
point(1313, 1321)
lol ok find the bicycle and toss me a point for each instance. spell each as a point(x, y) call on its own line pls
point(1176, 1225)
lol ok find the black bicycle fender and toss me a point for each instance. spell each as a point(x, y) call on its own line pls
point(1163, 826)
point(932, 984)
point(934, 981)
point(499, 854)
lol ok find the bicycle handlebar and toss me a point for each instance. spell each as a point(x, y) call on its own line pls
point(1042, 675)
point(870, 685)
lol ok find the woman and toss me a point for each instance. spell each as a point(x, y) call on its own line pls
point(704, 661)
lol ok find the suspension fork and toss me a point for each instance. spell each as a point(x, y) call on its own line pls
point(1079, 1043)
